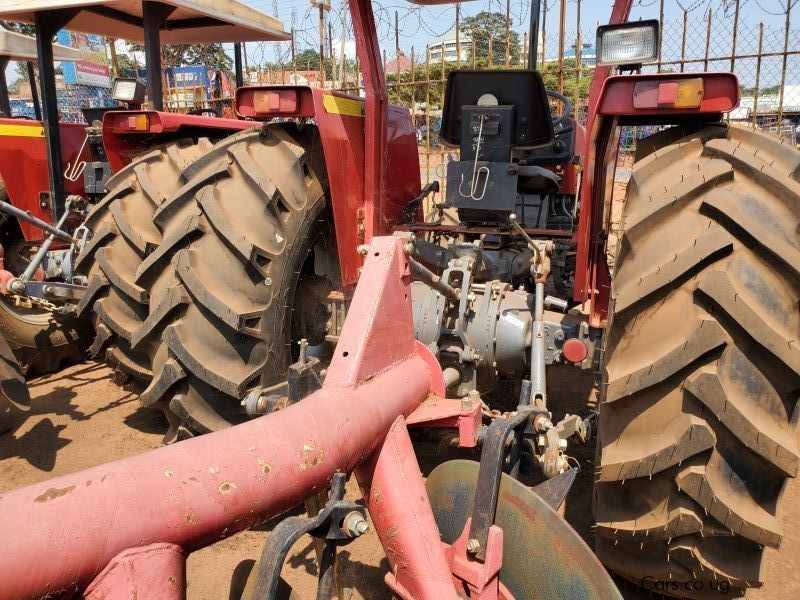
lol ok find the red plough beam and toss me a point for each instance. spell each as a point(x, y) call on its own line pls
point(124, 529)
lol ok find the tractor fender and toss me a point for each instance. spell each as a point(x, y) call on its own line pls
point(339, 118)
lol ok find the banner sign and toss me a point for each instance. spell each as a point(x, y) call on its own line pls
point(92, 71)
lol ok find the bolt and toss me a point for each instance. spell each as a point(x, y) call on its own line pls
point(362, 249)
point(303, 349)
point(17, 286)
point(355, 525)
point(562, 444)
point(268, 281)
point(473, 546)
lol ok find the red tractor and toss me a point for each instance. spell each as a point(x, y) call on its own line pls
point(40, 285)
point(261, 244)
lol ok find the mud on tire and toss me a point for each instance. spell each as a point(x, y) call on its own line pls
point(123, 235)
point(236, 241)
point(698, 420)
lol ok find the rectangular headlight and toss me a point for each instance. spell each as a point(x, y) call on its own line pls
point(128, 90)
point(627, 43)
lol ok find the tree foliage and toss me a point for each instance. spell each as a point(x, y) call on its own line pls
point(486, 26)
point(402, 92)
point(212, 56)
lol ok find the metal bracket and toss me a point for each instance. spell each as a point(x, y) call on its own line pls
point(339, 523)
point(55, 290)
point(303, 378)
point(493, 458)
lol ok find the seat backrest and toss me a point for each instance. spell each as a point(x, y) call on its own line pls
point(522, 90)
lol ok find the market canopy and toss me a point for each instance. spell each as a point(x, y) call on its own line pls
point(191, 21)
point(15, 46)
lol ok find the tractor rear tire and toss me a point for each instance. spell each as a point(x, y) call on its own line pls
point(698, 414)
point(14, 394)
point(237, 249)
point(228, 291)
point(123, 234)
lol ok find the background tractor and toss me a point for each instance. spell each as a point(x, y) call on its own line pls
point(45, 285)
point(40, 337)
point(260, 244)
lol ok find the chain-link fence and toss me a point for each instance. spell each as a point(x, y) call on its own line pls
point(765, 56)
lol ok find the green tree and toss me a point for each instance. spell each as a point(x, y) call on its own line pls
point(127, 66)
point(22, 28)
point(211, 55)
point(308, 60)
point(491, 25)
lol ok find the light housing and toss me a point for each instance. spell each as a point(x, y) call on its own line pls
point(684, 93)
point(275, 101)
point(128, 121)
point(128, 90)
point(631, 43)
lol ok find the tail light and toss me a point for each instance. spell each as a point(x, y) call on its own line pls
point(134, 122)
point(257, 103)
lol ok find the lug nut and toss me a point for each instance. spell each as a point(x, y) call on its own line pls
point(355, 525)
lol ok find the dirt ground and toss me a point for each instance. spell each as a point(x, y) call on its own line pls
point(80, 418)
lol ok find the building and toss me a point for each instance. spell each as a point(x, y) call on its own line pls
point(588, 55)
point(401, 64)
point(449, 46)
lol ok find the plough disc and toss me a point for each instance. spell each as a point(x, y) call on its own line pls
point(543, 557)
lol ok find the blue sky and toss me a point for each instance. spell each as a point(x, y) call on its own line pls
point(419, 25)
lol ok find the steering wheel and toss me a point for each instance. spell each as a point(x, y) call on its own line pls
point(561, 121)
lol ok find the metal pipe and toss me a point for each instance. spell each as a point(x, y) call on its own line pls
point(538, 374)
point(26, 216)
point(18, 283)
point(237, 65)
point(782, 87)
point(451, 376)
point(194, 493)
point(154, 14)
point(432, 280)
point(399, 507)
point(37, 105)
point(48, 22)
point(376, 114)
point(533, 35)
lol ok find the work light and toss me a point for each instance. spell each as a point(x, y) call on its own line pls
point(128, 90)
point(627, 43)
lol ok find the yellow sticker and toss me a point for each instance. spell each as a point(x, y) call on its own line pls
point(22, 130)
point(343, 106)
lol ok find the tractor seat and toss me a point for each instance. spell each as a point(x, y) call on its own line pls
point(537, 180)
